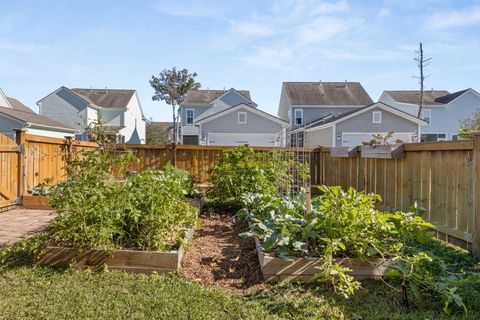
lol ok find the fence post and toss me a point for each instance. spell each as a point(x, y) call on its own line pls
point(20, 139)
point(476, 194)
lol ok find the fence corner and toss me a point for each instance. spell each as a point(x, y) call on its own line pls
point(476, 194)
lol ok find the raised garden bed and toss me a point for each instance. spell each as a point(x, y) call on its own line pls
point(343, 152)
point(126, 260)
point(304, 269)
point(389, 151)
point(36, 202)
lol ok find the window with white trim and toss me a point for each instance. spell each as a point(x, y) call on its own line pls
point(298, 117)
point(377, 117)
point(242, 117)
point(189, 116)
point(427, 115)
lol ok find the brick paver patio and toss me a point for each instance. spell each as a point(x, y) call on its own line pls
point(17, 223)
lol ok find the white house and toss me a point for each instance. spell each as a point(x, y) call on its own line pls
point(228, 118)
point(120, 110)
point(441, 110)
point(15, 115)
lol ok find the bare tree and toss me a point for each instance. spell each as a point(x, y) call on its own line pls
point(422, 63)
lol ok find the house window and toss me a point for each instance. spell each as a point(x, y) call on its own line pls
point(433, 137)
point(427, 115)
point(377, 117)
point(189, 117)
point(298, 116)
point(242, 117)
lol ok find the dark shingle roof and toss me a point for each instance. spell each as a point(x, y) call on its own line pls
point(163, 127)
point(430, 97)
point(17, 105)
point(327, 93)
point(31, 117)
point(199, 97)
point(105, 98)
point(449, 97)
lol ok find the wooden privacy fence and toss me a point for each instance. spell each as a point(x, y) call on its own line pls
point(442, 177)
point(197, 160)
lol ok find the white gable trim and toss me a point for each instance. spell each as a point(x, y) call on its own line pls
point(4, 98)
point(373, 106)
point(228, 91)
point(244, 106)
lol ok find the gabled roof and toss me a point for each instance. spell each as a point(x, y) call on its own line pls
point(106, 98)
point(33, 118)
point(331, 119)
point(430, 97)
point(327, 93)
point(239, 106)
point(205, 97)
point(17, 105)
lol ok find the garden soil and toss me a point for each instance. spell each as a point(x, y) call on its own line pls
point(218, 256)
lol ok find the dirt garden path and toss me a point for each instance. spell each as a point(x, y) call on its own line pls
point(220, 257)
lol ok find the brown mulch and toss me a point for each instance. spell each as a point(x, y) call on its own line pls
point(219, 256)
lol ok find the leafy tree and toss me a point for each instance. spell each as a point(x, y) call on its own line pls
point(469, 124)
point(156, 134)
point(172, 86)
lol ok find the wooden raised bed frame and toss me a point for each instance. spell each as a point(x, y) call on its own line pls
point(132, 261)
point(304, 269)
point(36, 202)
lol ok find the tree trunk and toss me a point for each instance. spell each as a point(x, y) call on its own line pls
point(422, 78)
point(174, 124)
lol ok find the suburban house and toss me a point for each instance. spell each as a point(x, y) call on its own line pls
point(358, 126)
point(228, 118)
point(441, 110)
point(119, 109)
point(16, 115)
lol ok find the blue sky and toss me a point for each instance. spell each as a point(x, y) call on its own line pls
point(253, 45)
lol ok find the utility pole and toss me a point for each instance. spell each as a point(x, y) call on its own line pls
point(422, 63)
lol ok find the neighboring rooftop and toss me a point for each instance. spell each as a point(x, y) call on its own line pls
point(205, 97)
point(327, 93)
point(163, 127)
point(32, 117)
point(430, 97)
point(105, 98)
point(17, 105)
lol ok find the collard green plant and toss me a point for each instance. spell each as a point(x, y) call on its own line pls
point(347, 224)
point(240, 171)
point(43, 188)
point(95, 209)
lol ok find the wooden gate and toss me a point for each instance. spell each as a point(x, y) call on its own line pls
point(9, 160)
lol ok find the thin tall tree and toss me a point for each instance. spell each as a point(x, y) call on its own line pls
point(172, 86)
point(421, 63)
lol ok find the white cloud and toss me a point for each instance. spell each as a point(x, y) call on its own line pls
point(252, 28)
point(454, 19)
point(191, 8)
point(384, 12)
point(20, 47)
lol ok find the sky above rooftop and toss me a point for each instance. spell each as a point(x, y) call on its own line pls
point(254, 45)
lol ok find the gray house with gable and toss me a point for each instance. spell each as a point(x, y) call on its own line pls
point(228, 118)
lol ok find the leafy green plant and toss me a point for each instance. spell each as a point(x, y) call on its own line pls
point(97, 209)
point(348, 224)
point(240, 171)
point(43, 188)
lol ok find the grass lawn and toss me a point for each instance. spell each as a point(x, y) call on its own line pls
point(39, 293)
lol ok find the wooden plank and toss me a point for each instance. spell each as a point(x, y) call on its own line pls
point(439, 145)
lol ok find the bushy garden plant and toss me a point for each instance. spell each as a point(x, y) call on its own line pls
point(240, 171)
point(347, 224)
point(99, 210)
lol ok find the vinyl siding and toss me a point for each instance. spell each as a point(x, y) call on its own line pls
point(7, 125)
point(198, 110)
point(133, 119)
point(65, 108)
point(323, 137)
point(229, 123)
point(314, 113)
point(232, 99)
point(363, 123)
